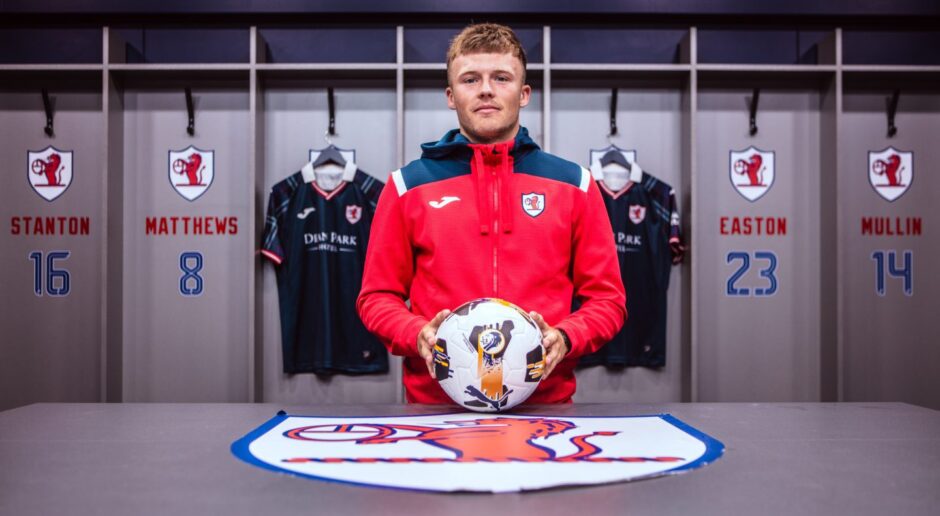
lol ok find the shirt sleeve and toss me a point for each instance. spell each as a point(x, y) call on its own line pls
point(675, 232)
point(386, 280)
point(371, 187)
point(271, 246)
point(676, 245)
point(596, 276)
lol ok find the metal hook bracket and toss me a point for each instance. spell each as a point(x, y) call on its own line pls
point(191, 128)
point(891, 103)
point(47, 105)
point(752, 107)
point(331, 106)
point(613, 113)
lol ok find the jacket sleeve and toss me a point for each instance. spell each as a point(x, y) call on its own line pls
point(596, 276)
point(386, 280)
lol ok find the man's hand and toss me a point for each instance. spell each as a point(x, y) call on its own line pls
point(552, 341)
point(427, 337)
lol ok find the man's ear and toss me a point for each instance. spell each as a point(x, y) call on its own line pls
point(450, 97)
point(525, 95)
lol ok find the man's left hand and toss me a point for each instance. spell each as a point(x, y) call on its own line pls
point(552, 341)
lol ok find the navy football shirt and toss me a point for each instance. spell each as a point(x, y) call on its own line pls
point(645, 221)
point(318, 240)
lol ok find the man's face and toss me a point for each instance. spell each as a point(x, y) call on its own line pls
point(487, 92)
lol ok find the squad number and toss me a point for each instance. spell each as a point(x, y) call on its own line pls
point(57, 280)
point(191, 282)
point(889, 259)
point(768, 263)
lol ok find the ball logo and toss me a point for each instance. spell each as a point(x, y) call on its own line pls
point(890, 172)
point(470, 452)
point(353, 213)
point(533, 204)
point(49, 172)
point(636, 213)
point(752, 172)
point(492, 342)
point(191, 171)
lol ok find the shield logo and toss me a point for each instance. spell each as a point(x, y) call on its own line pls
point(636, 213)
point(752, 172)
point(191, 171)
point(353, 213)
point(890, 172)
point(533, 203)
point(476, 452)
point(49, 172)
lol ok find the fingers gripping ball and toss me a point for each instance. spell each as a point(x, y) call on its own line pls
point(489, 355)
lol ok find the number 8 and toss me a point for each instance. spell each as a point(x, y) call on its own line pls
point(191, 273)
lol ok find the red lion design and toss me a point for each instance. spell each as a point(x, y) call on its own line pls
point(49, 168)
point(751, 167)
point(532, 202)
point(890, 168)
point(497, 439)
point(191, 167)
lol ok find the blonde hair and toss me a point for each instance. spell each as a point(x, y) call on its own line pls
point(482, 38)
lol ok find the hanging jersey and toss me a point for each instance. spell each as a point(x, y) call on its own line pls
point(645, 222)
point(318, 240)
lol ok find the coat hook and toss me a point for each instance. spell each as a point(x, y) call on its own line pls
point(191, 129)
point(892, 105)
point(47, 105)
point(613, 113)
point(755, 98)
point(331, 105)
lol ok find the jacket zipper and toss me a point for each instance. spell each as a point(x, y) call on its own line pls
point(495, 235)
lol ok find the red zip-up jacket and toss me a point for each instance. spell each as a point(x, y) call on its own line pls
point(502, 220)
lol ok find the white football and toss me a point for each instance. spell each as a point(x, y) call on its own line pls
point(489, 355)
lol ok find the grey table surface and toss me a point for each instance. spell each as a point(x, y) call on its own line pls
point(780, 458)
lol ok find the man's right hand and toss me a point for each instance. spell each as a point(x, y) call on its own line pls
point(427, 337)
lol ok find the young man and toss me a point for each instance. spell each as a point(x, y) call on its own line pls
point(486, 213)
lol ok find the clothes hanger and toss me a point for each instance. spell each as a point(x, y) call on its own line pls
point(615, 156)
point(330, 154)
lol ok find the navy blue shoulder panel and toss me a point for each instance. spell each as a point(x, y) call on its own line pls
point(423, 171)
point(549, 166)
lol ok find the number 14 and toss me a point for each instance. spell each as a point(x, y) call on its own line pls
point(906, 273)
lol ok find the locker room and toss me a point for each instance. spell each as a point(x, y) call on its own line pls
point(118, 290)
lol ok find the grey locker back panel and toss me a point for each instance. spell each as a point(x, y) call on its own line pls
point(50, 347)
point(890, 344)
point(295, 121)
point(427, 118)
point(759, 348)
point(179, 348)
point(650, 122)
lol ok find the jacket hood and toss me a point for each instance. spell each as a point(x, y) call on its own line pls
point(454, 145)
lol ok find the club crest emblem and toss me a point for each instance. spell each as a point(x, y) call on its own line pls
point(533, 203)
point(890, 172)
point(353, 213)
point(49, 172)
point(191, 171)
point(752, 172)
point(636, 213)
point(476, 452)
